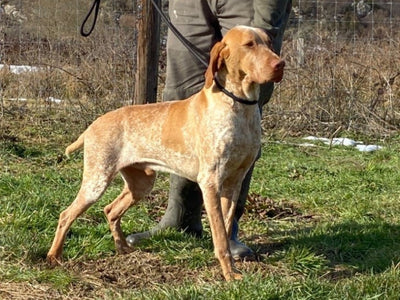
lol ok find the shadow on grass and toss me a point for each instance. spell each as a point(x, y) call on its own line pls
point(360, 247)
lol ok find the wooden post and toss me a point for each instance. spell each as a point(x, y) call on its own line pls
point(300, 52)
point(148, 45)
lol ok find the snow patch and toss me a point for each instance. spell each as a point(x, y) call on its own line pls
point(342, 142)
point(20, 69)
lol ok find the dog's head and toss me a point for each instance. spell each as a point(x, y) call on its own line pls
point(246, 52)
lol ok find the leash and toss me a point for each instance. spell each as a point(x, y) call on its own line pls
point(193, 49)
point(196, 52)
point(201, 57)
point(95, 6)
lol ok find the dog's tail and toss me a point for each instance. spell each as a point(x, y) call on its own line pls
point(75, 145)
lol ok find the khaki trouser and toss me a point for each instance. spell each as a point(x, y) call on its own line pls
point(203, 23)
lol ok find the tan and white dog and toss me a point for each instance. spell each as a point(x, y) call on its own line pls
point(209, 138)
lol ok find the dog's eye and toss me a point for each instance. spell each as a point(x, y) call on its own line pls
point(250, 44)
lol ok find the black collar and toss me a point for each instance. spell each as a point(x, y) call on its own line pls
point(229, 94)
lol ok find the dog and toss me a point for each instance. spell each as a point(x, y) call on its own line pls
point(211, 138)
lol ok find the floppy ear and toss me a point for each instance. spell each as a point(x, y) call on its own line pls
point(217, 55)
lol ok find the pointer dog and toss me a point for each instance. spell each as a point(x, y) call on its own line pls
point(211, 138)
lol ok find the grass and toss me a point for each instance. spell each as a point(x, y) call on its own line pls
point(324, 221)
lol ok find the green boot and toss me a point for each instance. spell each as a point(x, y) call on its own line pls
point(183, 210)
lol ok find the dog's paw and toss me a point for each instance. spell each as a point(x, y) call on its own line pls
point(124, 249)
point(235, 275)
point(53, 261)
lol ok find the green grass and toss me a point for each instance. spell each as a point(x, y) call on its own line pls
point(339, 237)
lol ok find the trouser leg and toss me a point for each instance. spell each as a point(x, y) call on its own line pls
point(185, 77)
point(187, 205)
point(272, 15)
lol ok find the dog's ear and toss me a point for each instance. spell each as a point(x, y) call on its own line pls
point(217, 55)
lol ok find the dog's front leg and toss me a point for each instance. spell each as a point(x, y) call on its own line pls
point(212, 204)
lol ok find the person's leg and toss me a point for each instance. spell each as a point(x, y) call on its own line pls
point(194, 19)
point(271, 15)
point(231, 13)
point(185, 77)
point(184, 208)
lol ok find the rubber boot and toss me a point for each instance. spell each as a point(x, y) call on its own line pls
point(183, 211)
point(239, 250)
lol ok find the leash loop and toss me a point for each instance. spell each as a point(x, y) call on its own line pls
point(95, 7)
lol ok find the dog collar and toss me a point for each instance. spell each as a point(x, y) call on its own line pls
point(229, 94)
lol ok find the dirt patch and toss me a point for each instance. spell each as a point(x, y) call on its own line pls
point(27, 291)
point(267, 208)
point(113, 275)
point(142, 271)
point(117, 275)
point(137, 270)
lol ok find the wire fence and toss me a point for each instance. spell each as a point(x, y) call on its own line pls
point(343, 63)
point(344, 69)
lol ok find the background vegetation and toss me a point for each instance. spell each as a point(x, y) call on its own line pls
point(323, 220)
point(342, 72)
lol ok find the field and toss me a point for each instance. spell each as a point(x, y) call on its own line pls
point(323, 220)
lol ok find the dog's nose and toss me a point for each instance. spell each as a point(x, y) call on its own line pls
point(278, 64)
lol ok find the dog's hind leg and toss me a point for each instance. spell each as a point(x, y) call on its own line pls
point(94, 183)
point(138, 184)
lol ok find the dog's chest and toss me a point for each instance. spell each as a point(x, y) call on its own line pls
point(233, 135)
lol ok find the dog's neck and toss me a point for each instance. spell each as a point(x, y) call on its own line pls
point(240, 88)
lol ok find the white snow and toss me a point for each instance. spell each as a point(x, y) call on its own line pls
point(18, 69)
point(343, 142)
point(54, 100)
point(15, 69)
